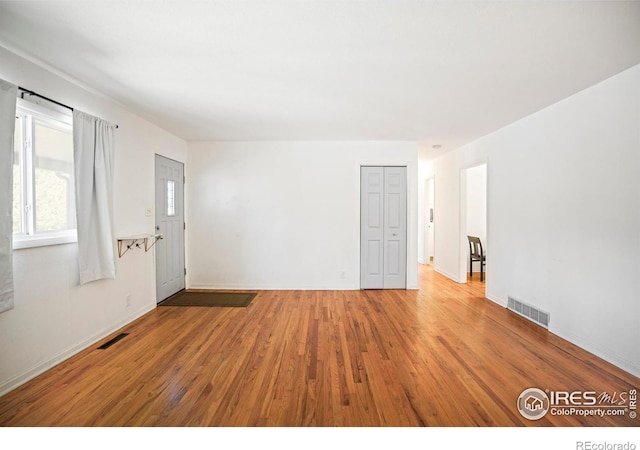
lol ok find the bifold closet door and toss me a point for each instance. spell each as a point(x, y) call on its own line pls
point(383, 233)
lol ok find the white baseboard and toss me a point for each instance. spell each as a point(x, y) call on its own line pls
point(447, 274)
point(21, 379)
point(608, 355)
point(496, 299)
point(255, 287)
point(235, 287)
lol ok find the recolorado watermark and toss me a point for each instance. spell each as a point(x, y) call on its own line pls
point(534, 404)
point(588, 445)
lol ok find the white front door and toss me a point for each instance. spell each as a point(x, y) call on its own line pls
point(170, 268)
point(383, 232)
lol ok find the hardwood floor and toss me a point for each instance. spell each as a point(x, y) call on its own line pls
point(440, 356)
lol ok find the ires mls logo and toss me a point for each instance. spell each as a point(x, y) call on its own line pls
point(533, 403)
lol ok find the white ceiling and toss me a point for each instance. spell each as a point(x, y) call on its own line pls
point(437, 72)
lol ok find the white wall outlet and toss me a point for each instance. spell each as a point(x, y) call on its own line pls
point(128, 300)
point(148, 212)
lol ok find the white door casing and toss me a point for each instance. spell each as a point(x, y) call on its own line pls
point(169, 218)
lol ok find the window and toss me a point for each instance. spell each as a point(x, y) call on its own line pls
point(171, 198)
point(43, 177)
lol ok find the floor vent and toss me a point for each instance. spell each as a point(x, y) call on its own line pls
point(529, 312)
point(113, 341)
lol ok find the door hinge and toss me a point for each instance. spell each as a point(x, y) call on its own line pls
point(184, 225)
point(185, 270)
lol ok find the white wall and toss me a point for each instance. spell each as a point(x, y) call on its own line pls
point(54, 317)
point(563, 215)
point(284, 215)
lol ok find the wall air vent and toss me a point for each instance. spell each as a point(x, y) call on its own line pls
point(529, 312)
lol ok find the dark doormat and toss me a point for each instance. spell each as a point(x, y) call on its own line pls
point(187, 298)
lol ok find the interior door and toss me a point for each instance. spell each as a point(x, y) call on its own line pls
point(371, 227)
point(395, 227)
point(383, 227)
point(169, 216)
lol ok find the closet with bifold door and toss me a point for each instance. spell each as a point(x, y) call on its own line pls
point(383, 227)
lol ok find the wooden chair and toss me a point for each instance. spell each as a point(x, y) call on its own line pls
point(476, 253)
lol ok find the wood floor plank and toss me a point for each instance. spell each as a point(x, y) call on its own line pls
point(442, 355)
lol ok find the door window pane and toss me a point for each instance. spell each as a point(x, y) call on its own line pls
point(53, 178)
point(171, 198)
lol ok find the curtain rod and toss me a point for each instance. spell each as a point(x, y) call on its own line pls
point(44, 98)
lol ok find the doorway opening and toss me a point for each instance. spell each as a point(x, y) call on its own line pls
point(429, 221)
point(473, 219)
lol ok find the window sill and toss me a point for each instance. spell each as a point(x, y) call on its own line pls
point(43, 240)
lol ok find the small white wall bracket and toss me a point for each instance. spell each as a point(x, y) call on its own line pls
point(145, 241)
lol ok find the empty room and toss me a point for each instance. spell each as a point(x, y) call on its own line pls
point(261, 213)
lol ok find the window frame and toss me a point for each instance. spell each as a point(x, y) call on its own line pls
point(58, 119)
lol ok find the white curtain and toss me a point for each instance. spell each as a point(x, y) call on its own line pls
point(8, 93)
point(93, 142)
